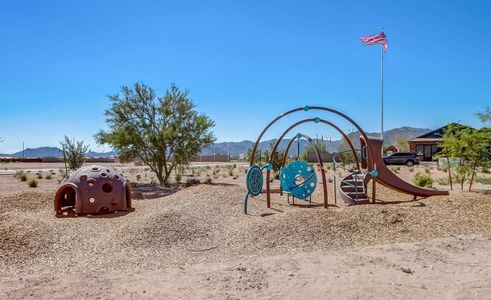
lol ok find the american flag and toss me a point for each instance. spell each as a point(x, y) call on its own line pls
point(375, 39)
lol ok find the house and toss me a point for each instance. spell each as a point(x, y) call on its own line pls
point(426, 145)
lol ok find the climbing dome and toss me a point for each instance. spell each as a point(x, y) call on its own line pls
point(93, 190)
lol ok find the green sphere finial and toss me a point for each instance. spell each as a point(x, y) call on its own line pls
point(306, 108)
point(317, 120)
point(299, 135)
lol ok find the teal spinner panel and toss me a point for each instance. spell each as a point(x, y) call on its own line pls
point(299, 179)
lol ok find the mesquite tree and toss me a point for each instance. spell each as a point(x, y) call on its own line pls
point(163, 132)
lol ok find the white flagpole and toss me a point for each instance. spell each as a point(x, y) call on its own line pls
point(382, 92)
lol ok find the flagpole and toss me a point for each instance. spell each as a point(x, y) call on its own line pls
point(382, 92)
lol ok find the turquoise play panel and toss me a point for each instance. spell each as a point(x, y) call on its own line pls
point(299, 179)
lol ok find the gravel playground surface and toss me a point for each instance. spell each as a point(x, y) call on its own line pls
point(204, 224)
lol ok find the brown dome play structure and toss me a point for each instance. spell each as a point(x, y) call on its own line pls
point(93, 190)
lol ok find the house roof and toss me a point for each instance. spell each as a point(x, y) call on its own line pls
point(435, 135)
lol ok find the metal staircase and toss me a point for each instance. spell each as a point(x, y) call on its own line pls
point(352, 188)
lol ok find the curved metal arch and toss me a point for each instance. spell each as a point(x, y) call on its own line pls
point(319, 159)
point(273, 154)
point(306, 108)
point(346, 138)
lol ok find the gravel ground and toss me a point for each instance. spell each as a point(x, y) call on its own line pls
point(205, 223)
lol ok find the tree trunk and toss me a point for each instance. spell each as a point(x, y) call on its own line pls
point(472, 175)
point(449, 173)
point(160, 175)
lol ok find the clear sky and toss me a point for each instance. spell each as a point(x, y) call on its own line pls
point(243, 61)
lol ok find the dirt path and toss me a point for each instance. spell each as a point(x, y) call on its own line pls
point(456, 267)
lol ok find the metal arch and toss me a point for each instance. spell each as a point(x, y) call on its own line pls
point(333, 126)
point(253, 153)
point(273, 154)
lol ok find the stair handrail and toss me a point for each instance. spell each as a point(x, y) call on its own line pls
point(353, 174)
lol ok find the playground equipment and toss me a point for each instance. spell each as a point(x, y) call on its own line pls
point(366, 165)
point(299, 180)
point(93, 190)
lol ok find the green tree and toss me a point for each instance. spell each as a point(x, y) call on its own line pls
point(311, 148)
point(401, 144)
point(485, 116)
point(277, 158)
point(75, 152)
point(469, 147)
point(164, 132)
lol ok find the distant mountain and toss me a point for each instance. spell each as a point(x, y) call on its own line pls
point(236, 148)
point(53, 152)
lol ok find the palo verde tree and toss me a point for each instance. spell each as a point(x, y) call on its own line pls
point(74, 152)
point(468, 146)
point(163, 132)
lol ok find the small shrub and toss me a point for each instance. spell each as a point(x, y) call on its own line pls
point(411, 169)
point(48, 177)
point(394, 169)
point(329, 180)
point(18, 174)
point(427, 171)
point(32, 183)
point(485, 170)
point(208, 181)
point(423, 180)
point(230, 172)
point(443, 181)
point(138, 177)
point(178, 178)
point(191, 182)
point(40, 176)
point(23, 177)
point(483, 180)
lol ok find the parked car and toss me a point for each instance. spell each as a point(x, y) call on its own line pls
point(402, 158)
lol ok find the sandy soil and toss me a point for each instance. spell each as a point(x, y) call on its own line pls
point(197, 243)
point(448, 268)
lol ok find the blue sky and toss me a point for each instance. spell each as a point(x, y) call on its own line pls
point(243, 61)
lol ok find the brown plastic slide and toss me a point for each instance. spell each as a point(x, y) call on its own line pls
point(386, 177)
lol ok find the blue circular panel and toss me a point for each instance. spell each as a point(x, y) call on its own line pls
point(299, 179)
point(254, 180)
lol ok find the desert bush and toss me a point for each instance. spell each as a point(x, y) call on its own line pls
point(423, 180)
point(23, 177)
point(138, 177)
point(75, 152)
point(40, 176)
point(427, 171)
point(484, 180)
point(191, 181)
point(18, 174)
point(329, 180)
point(208, 181)
point(178, 178)
point(231, 172)
point(48, 177)
point(32, 183)
point(395, 169)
